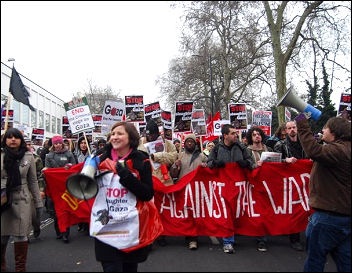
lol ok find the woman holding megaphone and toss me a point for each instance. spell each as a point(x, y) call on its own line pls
point(135, 175)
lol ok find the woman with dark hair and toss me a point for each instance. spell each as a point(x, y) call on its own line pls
point(81, 153)
point(19, 178)
point(123, 145)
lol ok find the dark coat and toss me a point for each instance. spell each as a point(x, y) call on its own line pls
point(143, 189)
point(236, 152)
point(58, 160)
point(330, 177)
point(289, 148)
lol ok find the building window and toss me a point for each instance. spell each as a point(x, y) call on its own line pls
point(58, 127)
point(16, 111)
point(53, 124)
point(41, 119)
point(47, 122)
point(25, 114)
point(34, 119)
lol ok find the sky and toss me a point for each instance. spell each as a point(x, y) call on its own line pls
point(63, 45)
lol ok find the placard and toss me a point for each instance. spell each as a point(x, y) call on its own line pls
point(262, 119)
point(198, 122)
point(113, 112)
point(153, 111)
point(345, 106)
point(38, 136)
point(238, 115)
point(167, 124)
point(79, 116)
point(183, 116)
point(134, 109)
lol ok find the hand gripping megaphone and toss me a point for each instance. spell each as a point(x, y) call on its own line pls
point(291, 99)
point(83, 185)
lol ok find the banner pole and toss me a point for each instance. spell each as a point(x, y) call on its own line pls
point(201, 144)
point(85, 137)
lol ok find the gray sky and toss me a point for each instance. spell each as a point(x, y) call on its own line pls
point(62, 45)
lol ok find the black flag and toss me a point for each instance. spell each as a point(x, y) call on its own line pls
point(18, 90)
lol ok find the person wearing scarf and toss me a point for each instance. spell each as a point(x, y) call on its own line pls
point(122, 147)
point(19, 178)
point(188, 161)
point(59, 157)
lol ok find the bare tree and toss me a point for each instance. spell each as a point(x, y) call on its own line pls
point(96, 97)
point(228, 47)
point(291, 28)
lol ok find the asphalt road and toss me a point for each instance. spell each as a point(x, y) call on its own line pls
point(47, 254)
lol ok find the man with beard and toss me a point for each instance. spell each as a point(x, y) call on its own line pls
point(291, 150)
point(255, 137)
point(188, 161)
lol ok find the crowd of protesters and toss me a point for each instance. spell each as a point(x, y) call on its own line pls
point(330, 185)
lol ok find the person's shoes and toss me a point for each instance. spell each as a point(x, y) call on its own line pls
point(65, 239)
point(228, 248)
point(193, 245)
point(59, 237)
point(36, 233)
point(162, 242)
point(297, 246)
point(261, 246)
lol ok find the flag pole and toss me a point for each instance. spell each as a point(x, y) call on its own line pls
point(8, 101)
point(7, 112)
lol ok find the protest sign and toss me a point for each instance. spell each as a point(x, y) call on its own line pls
point(345, 106)
point(238, 115)
point(287, 115)
point(97, 119)
point(79, 116)
point(3, 117)
point(66, 129)
point(38, 136)
point(167, 124)
point(262, 119)
point(153, 111)
point(134, 109)
point(113, 112)
point(218, 125)
point(198, 123)
point(183, 116)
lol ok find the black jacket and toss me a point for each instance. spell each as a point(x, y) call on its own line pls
point(236, 152)
point(143, 189)
point(289, 148)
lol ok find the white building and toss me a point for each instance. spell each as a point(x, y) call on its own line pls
point(49, 108)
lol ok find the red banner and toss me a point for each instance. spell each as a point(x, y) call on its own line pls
point(69, 210)
point(270, 200)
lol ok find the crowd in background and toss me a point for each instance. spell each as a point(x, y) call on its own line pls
point(169, 165)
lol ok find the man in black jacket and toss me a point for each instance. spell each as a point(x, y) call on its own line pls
point(291, 150)
point(229, 150)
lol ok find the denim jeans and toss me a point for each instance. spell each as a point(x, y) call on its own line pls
point(328, 233)
point(228, 240)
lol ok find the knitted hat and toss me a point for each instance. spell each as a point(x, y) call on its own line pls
point(152, 128)
point(191, 136)
point(57, 139)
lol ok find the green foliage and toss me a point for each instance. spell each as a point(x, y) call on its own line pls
point(323, 103)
